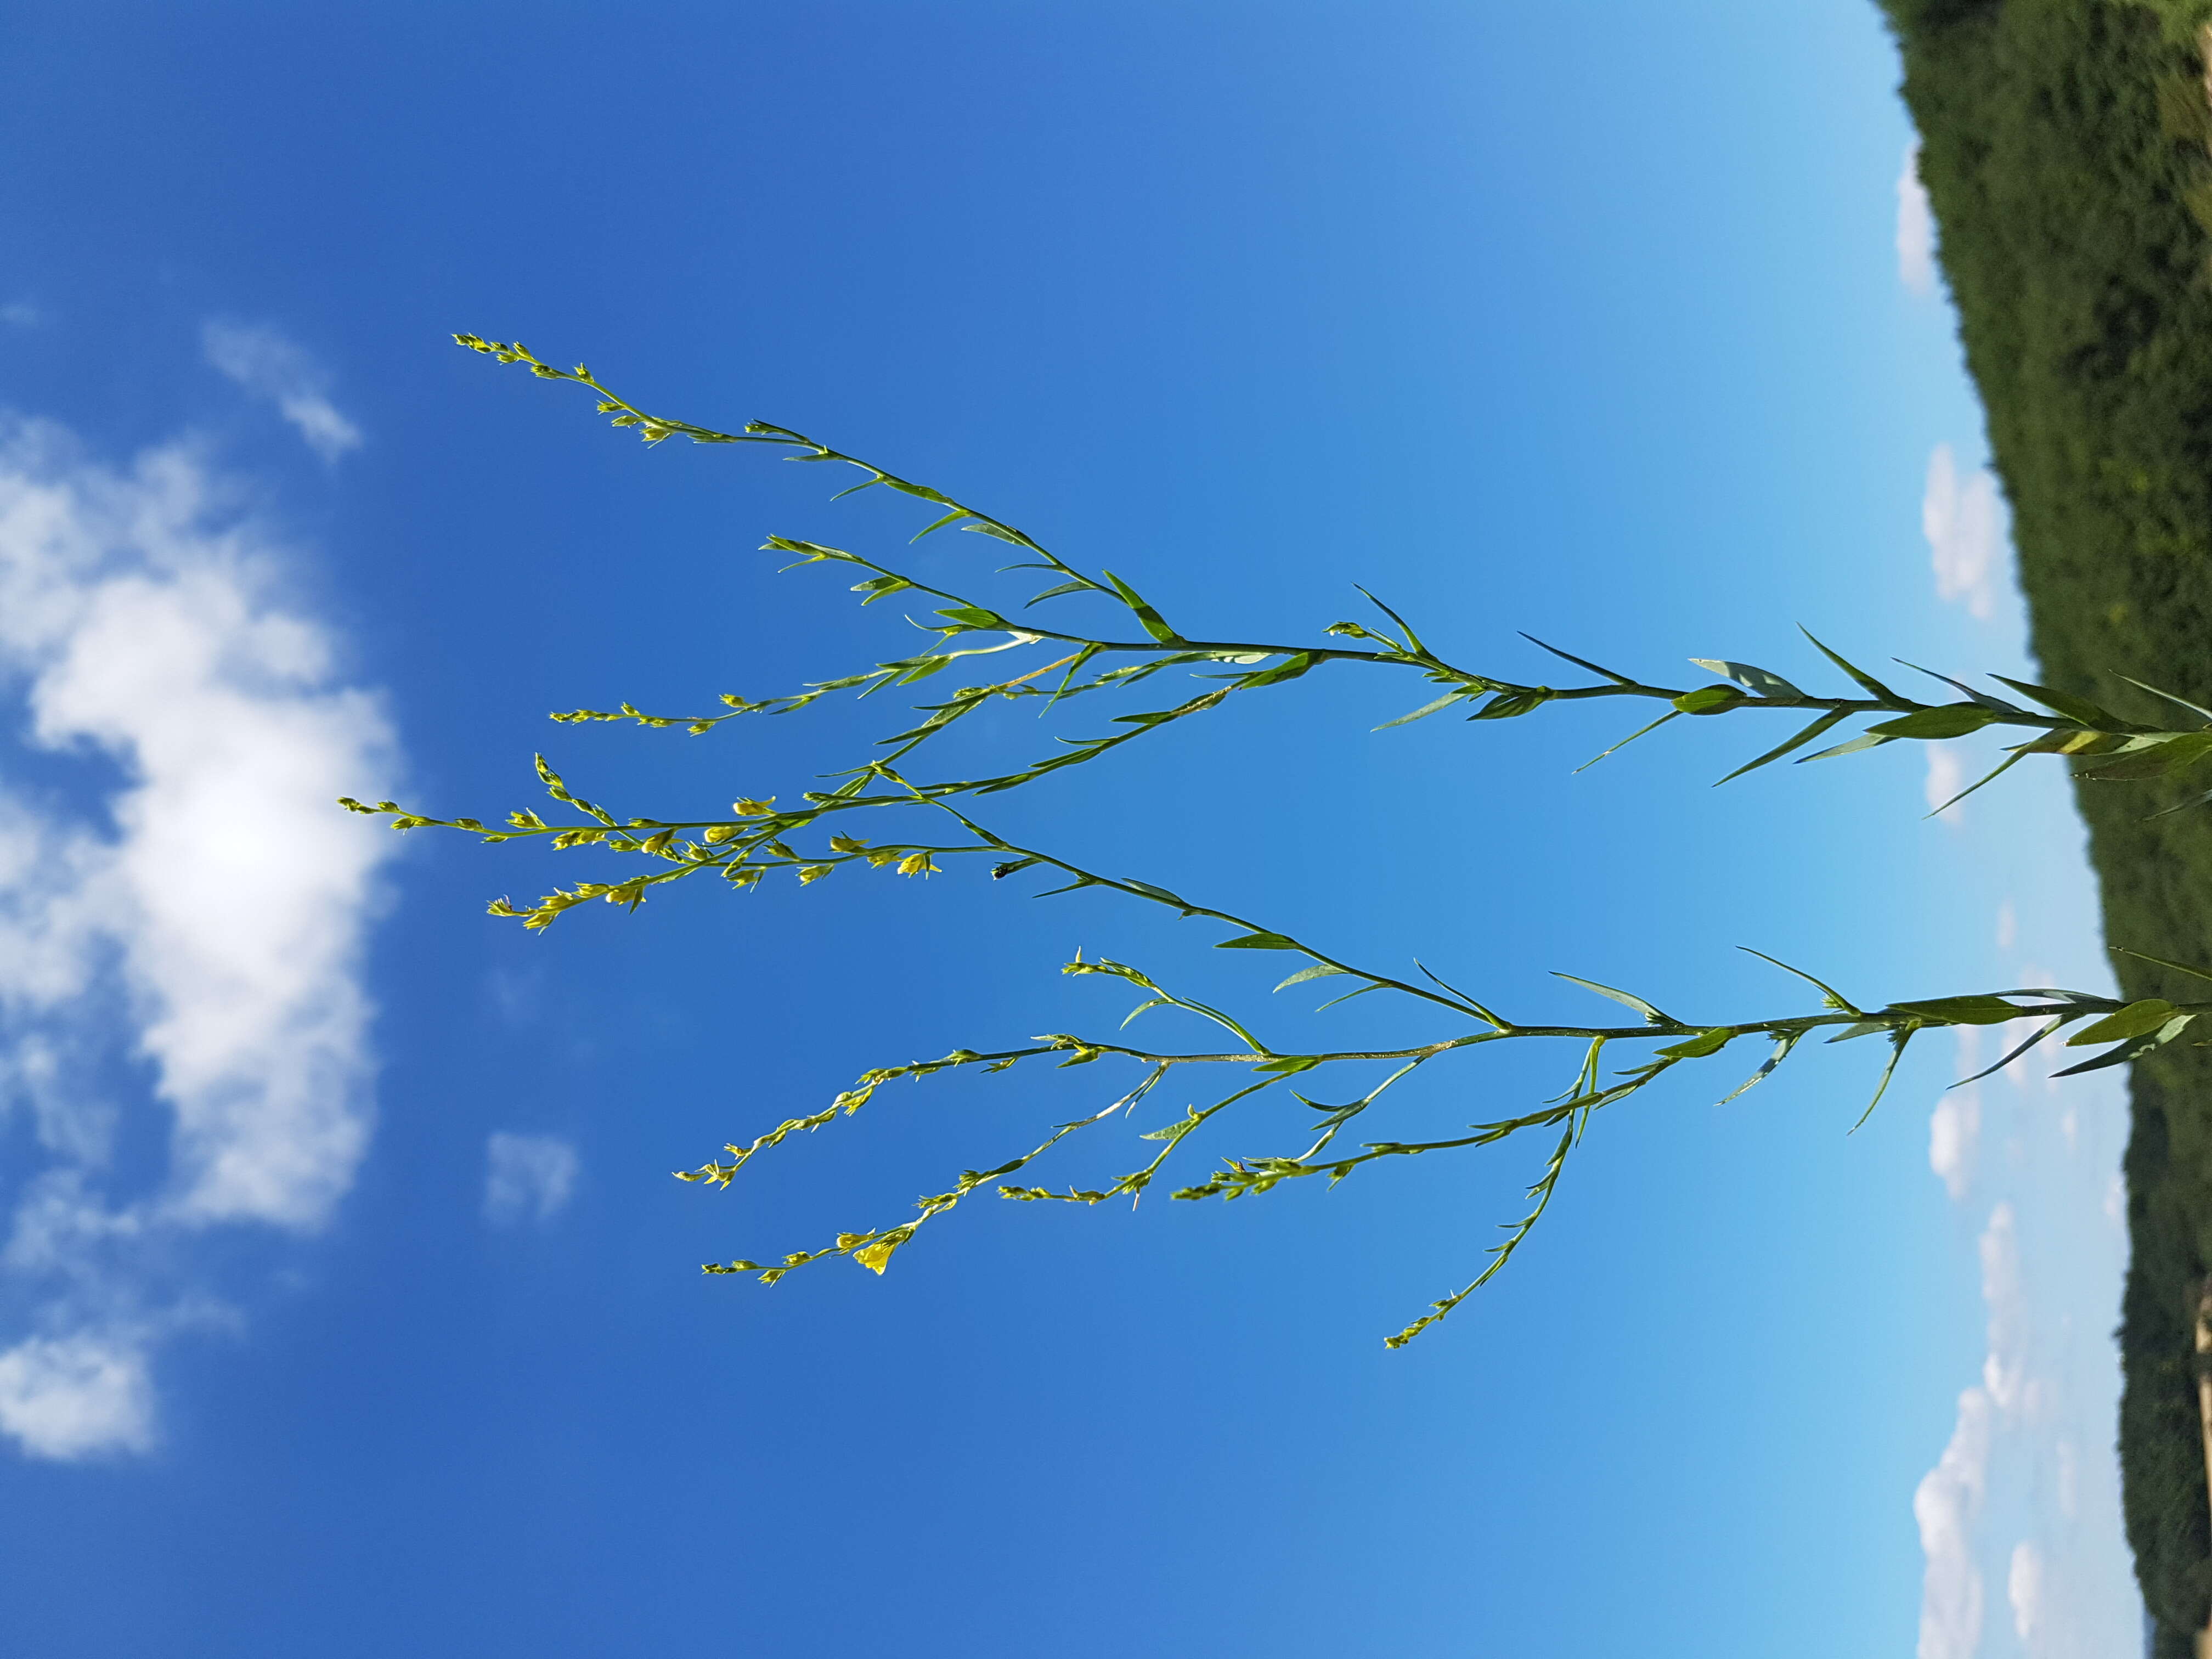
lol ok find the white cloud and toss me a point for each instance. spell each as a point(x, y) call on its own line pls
point(1954, 1133)
point(527, 1177)
point(1916, 228)
point(1966, 529)
point(21, 313)
point(2006, 1378)
point(179, 946)
point(74, 1396)
point(1946, 1504)
point(1955, 1127)
point(2007, 926)
point(270, 365)
point(2024, 1588)
point(1946, 778)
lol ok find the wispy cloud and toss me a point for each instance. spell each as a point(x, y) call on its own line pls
point(1954, 1128)
point(1965, 522)
point(1947, 1503)
point(70, 1396)
point(2013, 1389)
point(527, 1177)
point(270, 365)
point(21, 313)
point(1945, 1506)
point(180, 931)
point(1946, 779)
point(1916, 228)
point(2024, 1588)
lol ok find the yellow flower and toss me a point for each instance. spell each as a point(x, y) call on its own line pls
point(876, 1255)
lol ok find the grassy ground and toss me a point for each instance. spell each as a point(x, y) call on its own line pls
point(2065, 153)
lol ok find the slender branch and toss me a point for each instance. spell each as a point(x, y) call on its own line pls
point(2111, 749)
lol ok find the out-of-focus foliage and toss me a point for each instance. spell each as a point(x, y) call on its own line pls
point(2066, 151)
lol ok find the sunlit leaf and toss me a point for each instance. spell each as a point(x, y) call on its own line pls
point(1962, 1011)
point(1760, 681)
point(1823, 723)
point(2137, 1019)
point(1880, 692)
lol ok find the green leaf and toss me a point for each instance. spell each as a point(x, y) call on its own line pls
point(877, 586)
point(1078, 587)
point(1822, 724)
point(2074, 707)
point(1880, 692)
point(2194, 709)
point(1405, 627)
point(921, 668)
point(2178, 968)
point(2151, 757)
point(953, 517)
point(1425, 711)
point(921, 492)
point(2204, 799)
point(1624, 996)
point(1160, 894)
point(2137, 1019)
point(2119, 1056)
point(1781, 1048)
point(973, 615)
point(2073, 740)
point(1696, 1048)
point(814, 551)
point(1507, 704)
point(1259, 942)
point(1707, 698)
point(1346, 997)
point(1758, 682)
point(1319, 970)
point(1289, 668)
point(1829, 995)
point(1579, 662)
point(1630, 739)
point(1961, 1011)
point(1286, 1065)
point(2041, 1032)
point(1997, 705)
point(1872, 740)
point(1996, 771)
point(1152, 621)
point(1897, 1039)
point(1153, 892)
point(1950, 720)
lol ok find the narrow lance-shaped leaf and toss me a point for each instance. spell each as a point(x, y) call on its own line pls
point(1872, 686)
point(1821, 723)
point(1761, 682)
point(1630, 739)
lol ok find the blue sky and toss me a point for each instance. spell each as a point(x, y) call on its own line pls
point(350, 1307)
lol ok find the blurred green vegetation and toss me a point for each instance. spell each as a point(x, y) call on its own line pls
point(2066, 150)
